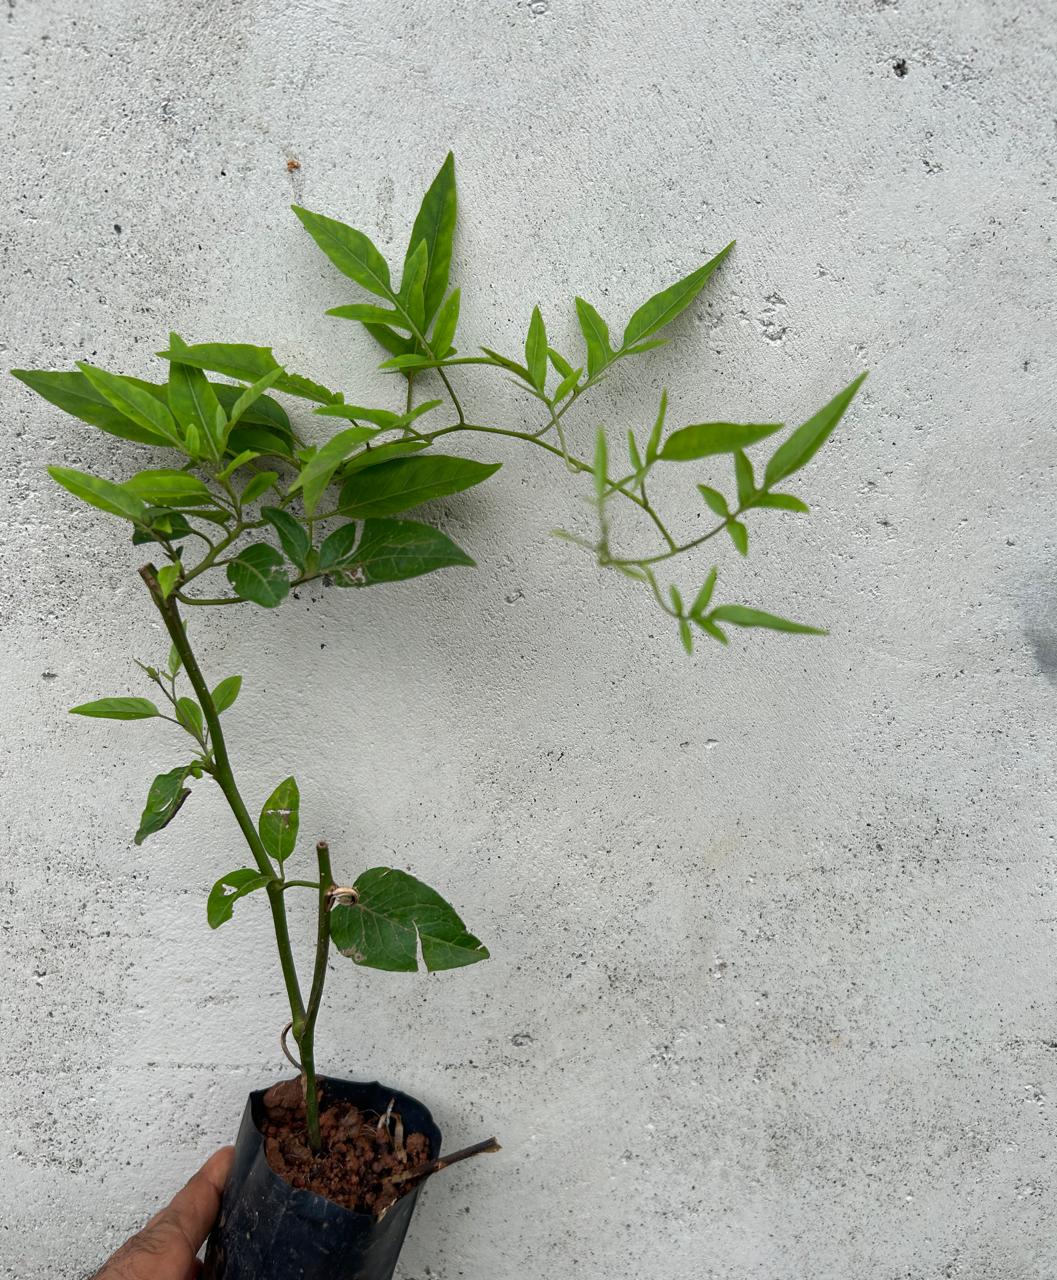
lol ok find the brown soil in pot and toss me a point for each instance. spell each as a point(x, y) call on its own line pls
point(361, 1153)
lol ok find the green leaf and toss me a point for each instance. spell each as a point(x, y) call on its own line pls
point(445, 325)
point(807, 439)
point(742, 616)
point(562, 366)
point(705, 439)
point(511, 366)
point(319, 472)
point(227, 891)
point(412, 287)
point(162, 525)
point(739, 535)
point(292, 535)
point(388, 551)
point(404, 483)
point(686, 635)
point(640, 347)
point(350, 251)
point(654, 444)
point(244, 404)
point(384, 419)
point(781, 502)
point(596, 337)
point(164, 801)
point(117, 709)
point(104, 494)
point(192, 401)
point(74, 394)
point(279, 820)
point(536, 351)
point(258, 485)
point(566, 385)
point(168, 577)
point(394, 916)
point(601, 466)
point(715, 500)
point(129, 397)
point(744, 478)
point(369, 314)
point(704, 596)
point(189, 714)
point(663, 307)
point(166, 488)
point(711, 629)
point(249, 363)
point(226, 692)
point(380, 453)
point(175, 661)
point(435, 226)
point(633, 452)
point(239, 460)
point(257, 574)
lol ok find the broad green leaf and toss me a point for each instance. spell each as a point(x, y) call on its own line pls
point(715, 500)
point(319, 472)
point(704, 596)
point(117, 709)
point(384, 419)
point(596, 337)
point(257, 574)
point(228, 890)
point(128, 396)
point(292, 535)
point(742, 616)
point(244, 404)
point(807, 439)
point(74, 394)
point(404, 483)
point(226, 692)
point(388, 551)
point(367, 313)
point(259, 441)
point(739, 535)
point(164, 800)
point(744, 478)
point(536, 350)
point(781, 502)
point(192, 401)
point(104, 494)
point(279, 820)
point(705, 439)
point(162, 525)
point(654, 444)
point(412, 287)
point(663, 307)
point(165, 488)
point(168, 577)
point(258, 485)
point(250, 364)
point(189, 714)
point(445, 325)
point(435, 225)
point(350, 251)
point(394, 917)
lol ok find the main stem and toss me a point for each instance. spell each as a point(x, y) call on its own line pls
point(222, 772)
point(306, 1042)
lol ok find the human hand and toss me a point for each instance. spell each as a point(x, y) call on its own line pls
point(167, 1247)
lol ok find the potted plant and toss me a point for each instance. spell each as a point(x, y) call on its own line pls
point(239, 506)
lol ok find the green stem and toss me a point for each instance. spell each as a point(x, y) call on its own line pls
point(222, 772)
point(306, 1041)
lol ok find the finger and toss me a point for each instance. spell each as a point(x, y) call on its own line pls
point(193, 1210)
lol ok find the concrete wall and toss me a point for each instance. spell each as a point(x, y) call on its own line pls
point(773, 987)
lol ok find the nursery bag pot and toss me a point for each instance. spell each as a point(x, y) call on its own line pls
point(269, 1230)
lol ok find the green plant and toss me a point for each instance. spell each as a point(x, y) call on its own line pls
point(253, 500)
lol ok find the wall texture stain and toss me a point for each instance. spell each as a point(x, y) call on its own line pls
point(774, 929)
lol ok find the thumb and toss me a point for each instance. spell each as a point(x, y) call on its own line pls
point(194, 1209)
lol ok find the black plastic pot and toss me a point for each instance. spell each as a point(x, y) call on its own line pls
point(269, 1230)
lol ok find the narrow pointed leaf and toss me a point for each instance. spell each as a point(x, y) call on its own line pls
point(704, 596)
point(445, 325)
point(350, 251)
point(561, 365)
point(117, 709)
point(807, 439)
point(249, 363)
point(164, 800)
point(250, 396)
point(744, 478)
point(192, 401)
point(536, 350)
point(663, 307)
point(706, 439)
point(258, 485)
point(74, 394)
point(320, 470)
point(435, 226)
point(781, 502)
point(130, 398)
point(654, 444)
point(369, 314)
point(104, 494)
point(596, 337)
point(395, 918)
point(739, 535)
point(412, 287)
point(166, 488)
point(742, 616)
point(715, 500)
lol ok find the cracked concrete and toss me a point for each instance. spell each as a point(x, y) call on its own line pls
point(773, 929)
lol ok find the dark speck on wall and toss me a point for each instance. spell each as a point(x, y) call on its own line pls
point(117, 227)
point(900, 67)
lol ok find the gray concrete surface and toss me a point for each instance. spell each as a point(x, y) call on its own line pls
point(773, 991)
